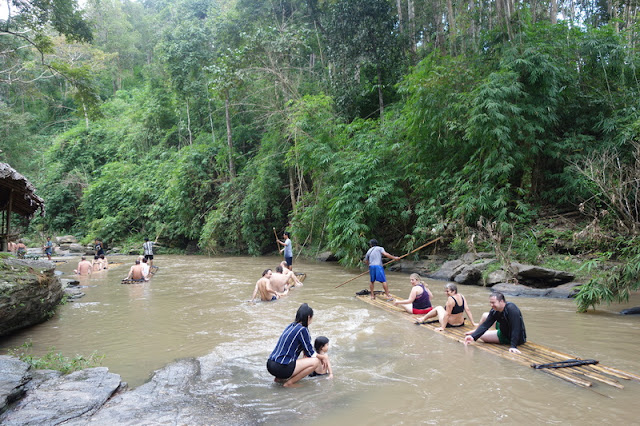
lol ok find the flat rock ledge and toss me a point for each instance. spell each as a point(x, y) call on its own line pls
point(176, 394)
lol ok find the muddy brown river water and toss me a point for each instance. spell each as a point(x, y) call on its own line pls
point(387, 371)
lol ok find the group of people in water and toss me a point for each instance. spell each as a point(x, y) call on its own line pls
point(274, 285)
point(18, 248)
point(97, 264)
point(140, 271)
point(287, 368)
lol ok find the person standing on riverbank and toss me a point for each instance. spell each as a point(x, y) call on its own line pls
point(48, 248)
point(288, 251)
point(373, 259)
point(509, 324)
point(283, 363)
point(148, 251)
point(98, 247)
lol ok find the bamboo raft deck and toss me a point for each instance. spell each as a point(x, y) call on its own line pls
point(532, 353)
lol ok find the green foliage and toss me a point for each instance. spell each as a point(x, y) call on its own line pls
point(613, 286)
point(458, 245)
point(53, 360)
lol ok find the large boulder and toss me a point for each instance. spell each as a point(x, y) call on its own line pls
point(421, 267)
point(29, 293)
point(76, 248)
point(470, 275)
point(538, 277)
point(449, 270)
point(327, 256)
point(64, 398)
point(66, 239)
point(562, 291)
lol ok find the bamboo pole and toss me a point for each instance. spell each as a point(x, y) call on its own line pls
point(391, 261)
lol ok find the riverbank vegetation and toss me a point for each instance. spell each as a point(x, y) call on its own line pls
point(54, 360)
point(208, 123)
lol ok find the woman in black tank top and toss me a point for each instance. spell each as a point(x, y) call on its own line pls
point(452, 314)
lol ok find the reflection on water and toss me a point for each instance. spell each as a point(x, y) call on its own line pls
point(387, 371)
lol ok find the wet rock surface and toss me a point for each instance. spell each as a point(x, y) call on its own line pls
point(176, 394)
point(62, 398)
point(14, 375)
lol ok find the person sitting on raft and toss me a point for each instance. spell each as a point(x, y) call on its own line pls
point(136, 273)
point(452, 314)
point(283, 363)
point(419, 301)
point(293, 280)
point(509, 324)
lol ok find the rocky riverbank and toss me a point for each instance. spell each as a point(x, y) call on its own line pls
point(29, 293)
point(176, 394)
point(528, 280)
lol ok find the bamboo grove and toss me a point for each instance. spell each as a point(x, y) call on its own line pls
point(211, 122)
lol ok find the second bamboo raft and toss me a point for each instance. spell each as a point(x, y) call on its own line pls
point(532, 353)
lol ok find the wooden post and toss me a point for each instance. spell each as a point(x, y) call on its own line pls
point(5, 243)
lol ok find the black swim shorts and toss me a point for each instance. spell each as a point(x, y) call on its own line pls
point(281, 371)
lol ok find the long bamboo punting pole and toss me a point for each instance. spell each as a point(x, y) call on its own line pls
point(391, 261)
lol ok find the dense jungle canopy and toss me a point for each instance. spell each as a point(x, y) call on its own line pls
point(211, 122)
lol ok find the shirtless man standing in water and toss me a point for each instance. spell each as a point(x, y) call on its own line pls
point(84, 267)
point(280, 280)
point(136, 273)
point(264, 288)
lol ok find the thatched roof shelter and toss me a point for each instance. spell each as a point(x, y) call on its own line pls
point(17, 194)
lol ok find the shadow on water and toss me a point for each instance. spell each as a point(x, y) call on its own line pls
point(387, 371)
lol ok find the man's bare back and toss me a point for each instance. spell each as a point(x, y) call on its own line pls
point(136, 273)
point(84, 267)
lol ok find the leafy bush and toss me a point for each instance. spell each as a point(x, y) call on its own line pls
point(53, 360)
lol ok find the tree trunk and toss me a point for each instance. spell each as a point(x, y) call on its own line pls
point(232, 168)
point(189, 123)
point(400, 20)
point(292, 190)
point(86, 116)
point(452, 27)
point(411, 11)
point(554, 12)
point(380, 99)
point(213, 133)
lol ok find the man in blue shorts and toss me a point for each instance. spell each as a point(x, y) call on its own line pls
point(373, 258)
point(288, 252)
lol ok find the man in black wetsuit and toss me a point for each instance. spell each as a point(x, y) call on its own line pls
point(509, 324)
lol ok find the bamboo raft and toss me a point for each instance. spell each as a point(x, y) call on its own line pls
point(532, 354)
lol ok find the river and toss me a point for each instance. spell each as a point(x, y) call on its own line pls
point(387, 371)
